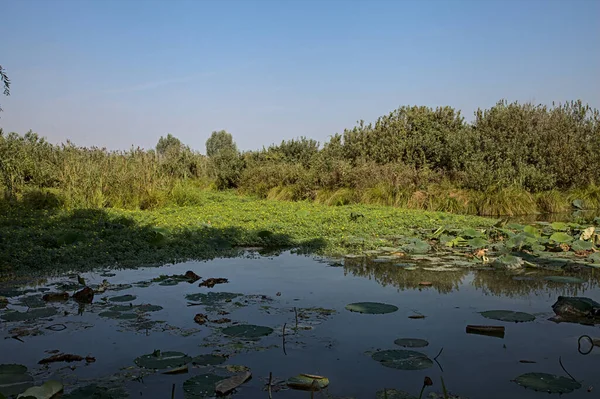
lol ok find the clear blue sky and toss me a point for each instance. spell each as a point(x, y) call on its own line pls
point(120, 73)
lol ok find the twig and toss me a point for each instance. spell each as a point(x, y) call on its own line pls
point(436, 357)
point(270, 382)
point(173, 392)
point(283, 338)
point(296, 314)
point(564, 369)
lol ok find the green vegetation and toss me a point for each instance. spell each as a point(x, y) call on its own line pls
point(216, 225)
point(513, 159)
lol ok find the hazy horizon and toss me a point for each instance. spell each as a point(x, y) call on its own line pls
point(120, 73)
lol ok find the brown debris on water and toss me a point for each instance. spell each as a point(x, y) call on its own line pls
point(66, 357)
point(55, 296)
point(211, 282)
point(201, 318)
point(86, 295)
point(193, 277)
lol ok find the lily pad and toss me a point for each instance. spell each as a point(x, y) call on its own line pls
point(559, 226)
point(371, 307)
point(247, 331)
point(162, 360)
point(208, 360)
point(560, 237)
point(14, 379)
point(564, 279)
point(123, 298)
point(478, 242)
point(595, 257)
point(403, 359)
point(580, 245)
point(509, 262)
point(201, 386)
point(416, 246)
point(508, 315)
point(393, 394)
point(95, 391)
point(118, 315)
point(411, 342)
point(45, 391)
point(547, 383)
point(32, 314)
point(212, 298)
point(308, 382)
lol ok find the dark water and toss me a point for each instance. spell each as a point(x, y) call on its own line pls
point(338, 346)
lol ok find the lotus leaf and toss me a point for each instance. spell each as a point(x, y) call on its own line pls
point(30, 315)
point(308, 382)
point(247, 331)
point(532, 231)
point(595, 257)
point(508, 315)
point(580, 245)
point(509, 262)
point(45, 391)
point(201, 386)
point(416, 246)
point(14, 379)
point(208, 360)
point(162, 360)
point(560, 237)
point(559, 226)
point(478, 243)
point(471, 233)
point(371, 307)
point(403, 359)
point(393, 394)
point(547, 383)
point(123, 298)
point(411, 342)
point(564, 279)
point(94, 391)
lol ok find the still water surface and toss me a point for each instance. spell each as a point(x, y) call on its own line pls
point(338, 346)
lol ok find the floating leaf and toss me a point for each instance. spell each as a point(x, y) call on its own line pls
point(411, 342)
point(209, 360)
point(582, 245)
point(308, 382)
point(118, 315)
point(123, 298)
point(562, 238)
point(532, 231)
point(94, 391)
point(547, 383)
point(403, 359)
point(247, 331)
point(227, 385)
point(508, 315)
point(559, 226)
point(30, 315)
point(509, 262)
point(201, 386)
point(14, 379)
point(478, 243)
point(564, 279)
point(595, 257)
point(471, 233)
point(162, 360)
point(393, 394)
point(45, 391)
point(371, 307)
point(416, 246)
point(212, 298)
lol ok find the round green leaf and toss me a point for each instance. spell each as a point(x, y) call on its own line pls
point(371, 307)
point(308, 382)
point(560, 237)
point(559, 226)
point(208, 360)
point(579, 245)
point(32, 314)
point(411, 342)
point(403, 359)
point(478, 242)
point(46, 391)
point(547, 383)
point(201, 386)
point(247, 331)
point(123, 298)
point(508, 315)
point(162, 360)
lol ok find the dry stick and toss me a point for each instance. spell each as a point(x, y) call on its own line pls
point(564, 369)
point(283, 338)
point(173, 392)
point(270, 381)
point(296, 313)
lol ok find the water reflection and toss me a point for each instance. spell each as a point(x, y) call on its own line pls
point(447, 279)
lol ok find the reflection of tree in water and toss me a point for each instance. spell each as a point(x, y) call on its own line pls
point(387, 274)
point(500, 283)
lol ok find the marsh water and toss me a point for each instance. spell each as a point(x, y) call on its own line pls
point(311, 294)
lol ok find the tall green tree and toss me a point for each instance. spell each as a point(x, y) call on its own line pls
point(225, 158)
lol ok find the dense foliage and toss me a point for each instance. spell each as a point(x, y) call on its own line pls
point(512, 159)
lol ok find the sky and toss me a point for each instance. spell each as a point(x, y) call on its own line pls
point(117, 74)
